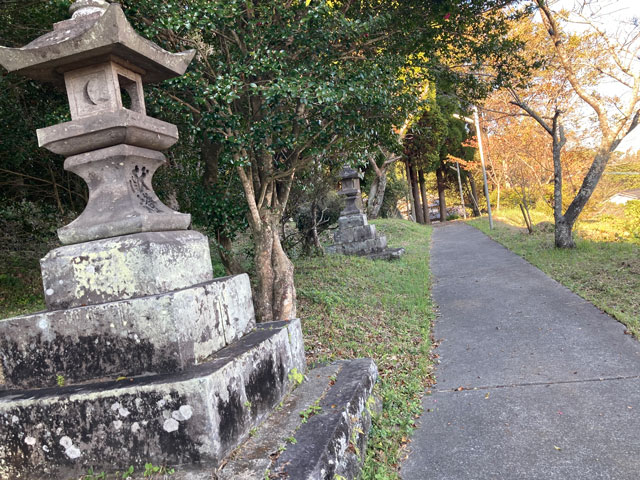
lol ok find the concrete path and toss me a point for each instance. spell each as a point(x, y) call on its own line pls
point(550, 384)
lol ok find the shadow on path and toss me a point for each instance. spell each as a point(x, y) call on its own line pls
point(534, 382)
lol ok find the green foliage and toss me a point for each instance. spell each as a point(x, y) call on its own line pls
point(437, 135)
point(327, 212)
point(353, 307)
point(295, 376)
point(395, 191)
point(285, 61)
point(27, 233)
point(310, 411)
point(427, 136)
point(510, 198)
point(150, 471)
point(27, 170)
point(632, 217)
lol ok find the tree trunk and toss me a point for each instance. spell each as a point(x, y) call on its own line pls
point(563, 234)
point(275, 296)
point(275, 293)
point(210, 157)
point(229, 260)
point(284, 290)
point(376, 194)
point(412, 215)
point(415, 191)
point(56, 194)
point(425, 199)
point(469, 187)
point(314, 229)
point(379, 185)
point(474, 195)
point(441, 187)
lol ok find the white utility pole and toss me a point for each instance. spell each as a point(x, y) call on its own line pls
point(476, 122)
point(464, 210)
point(484, 170)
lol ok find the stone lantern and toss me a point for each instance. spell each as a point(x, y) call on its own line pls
point(142, 356)
point(110, 141)
point(131, 293)
point(355, 236)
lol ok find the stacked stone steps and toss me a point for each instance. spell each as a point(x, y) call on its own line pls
point(125, 306)
point(192, 418)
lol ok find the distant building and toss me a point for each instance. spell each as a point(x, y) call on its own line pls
point(623, 197)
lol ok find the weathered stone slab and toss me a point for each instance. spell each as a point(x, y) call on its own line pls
point(332, 443)
point(362, 248)
point(193, 417)
point(333, 446)
point(153, 334)
point(387, 254)
point(253, 459)
point(355, 234)
point(124, 267)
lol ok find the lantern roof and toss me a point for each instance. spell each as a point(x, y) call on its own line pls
point(348, 172)
point(96, 33)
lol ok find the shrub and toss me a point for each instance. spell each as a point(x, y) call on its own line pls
point(632, 217)
point(327, 212)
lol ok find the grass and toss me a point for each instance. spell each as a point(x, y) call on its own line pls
point(20, 283)
point(353, 307)
point(606, 273)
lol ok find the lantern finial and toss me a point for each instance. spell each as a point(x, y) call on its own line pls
point(81, 8)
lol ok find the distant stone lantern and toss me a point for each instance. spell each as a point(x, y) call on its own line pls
point(350, 182)
point(110, 141)
point(355, 236)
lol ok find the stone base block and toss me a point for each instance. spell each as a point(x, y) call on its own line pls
point(331, 444)
point(194, 417)
point(122, 267)
point(154, 334)
point(121, 197)
point(355, 234)
point(364, 247)
point(351, 221)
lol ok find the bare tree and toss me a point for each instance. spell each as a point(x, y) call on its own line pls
point(585, 61)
